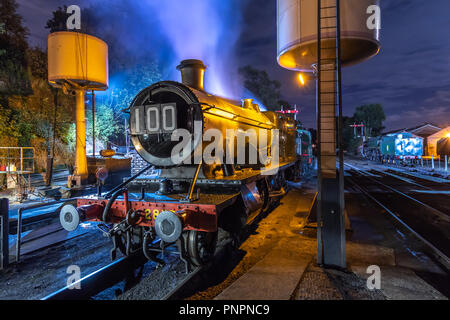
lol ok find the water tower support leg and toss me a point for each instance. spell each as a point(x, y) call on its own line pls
point(81, 171)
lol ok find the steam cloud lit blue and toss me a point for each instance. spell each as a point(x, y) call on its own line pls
point(206, 30)
point(173, 30)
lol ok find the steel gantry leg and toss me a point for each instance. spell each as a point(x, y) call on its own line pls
point(330, 205)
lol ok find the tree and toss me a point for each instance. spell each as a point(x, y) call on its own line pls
point(13, 47)
point(350, 142)
point(372, 116)
point(264, 89)
point(31, 117)
point(59, 20)
point(124, 86)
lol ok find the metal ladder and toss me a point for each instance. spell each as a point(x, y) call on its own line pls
point(329, 104)
point(329, 84)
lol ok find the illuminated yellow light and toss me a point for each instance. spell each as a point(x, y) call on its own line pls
point(300, 78)
point(447, 135)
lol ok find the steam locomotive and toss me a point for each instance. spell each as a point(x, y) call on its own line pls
point(193, 195)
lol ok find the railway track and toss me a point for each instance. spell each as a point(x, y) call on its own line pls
point(99, 280)
point(424, 181)
point(108, 276)
point(440, 213)
point(431, 226)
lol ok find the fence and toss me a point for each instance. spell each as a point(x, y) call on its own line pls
point(439, 163)
point(16, 160)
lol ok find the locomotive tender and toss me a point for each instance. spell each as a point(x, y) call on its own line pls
point(190, 199)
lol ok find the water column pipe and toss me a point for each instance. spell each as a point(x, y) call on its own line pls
point(80, 149)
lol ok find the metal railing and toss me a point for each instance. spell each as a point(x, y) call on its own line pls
point(19, 220)
point(4, 233)
point(17, 160)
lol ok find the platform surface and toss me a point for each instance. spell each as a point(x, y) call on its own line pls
point(289, 270)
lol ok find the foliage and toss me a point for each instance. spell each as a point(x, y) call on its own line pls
point(372, 116)
point(124, 86)
point(34, 115)
point(350, 143)
point(9, 135)
point(13, 46)
point(107, 127)
point(59, 20)
point(37, 63)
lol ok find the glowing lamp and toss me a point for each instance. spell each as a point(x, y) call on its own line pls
point(301, 79)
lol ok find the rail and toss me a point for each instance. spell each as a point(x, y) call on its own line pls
point(442, 257)
point(436, 212)
point(173, 294)
point(19, 220)
point(98, 280)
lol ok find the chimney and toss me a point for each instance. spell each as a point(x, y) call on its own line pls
point(192, 73)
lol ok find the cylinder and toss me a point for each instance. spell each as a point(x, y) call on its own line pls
point(297, 32)
point(80, 58)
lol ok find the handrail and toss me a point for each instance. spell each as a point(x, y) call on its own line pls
point(15, 160)
point(19, 220)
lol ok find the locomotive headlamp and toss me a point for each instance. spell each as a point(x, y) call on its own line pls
point(168, 226)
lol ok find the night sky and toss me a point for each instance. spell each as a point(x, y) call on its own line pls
point(410, 76)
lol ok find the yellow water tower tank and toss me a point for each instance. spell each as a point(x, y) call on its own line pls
point(78, 58)
point(297, 32)
point(78, 62)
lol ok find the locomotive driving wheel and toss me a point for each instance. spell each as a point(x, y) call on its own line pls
point(200, 246)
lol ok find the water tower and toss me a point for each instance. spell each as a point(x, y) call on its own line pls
point(78, 63)
point(322, 36)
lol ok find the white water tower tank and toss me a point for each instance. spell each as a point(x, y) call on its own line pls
point(297, 32)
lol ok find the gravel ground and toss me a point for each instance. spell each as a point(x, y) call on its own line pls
point(40, 273)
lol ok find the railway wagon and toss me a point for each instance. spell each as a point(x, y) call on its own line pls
point(371, 149)
point(193, 197)
point(402, 147)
